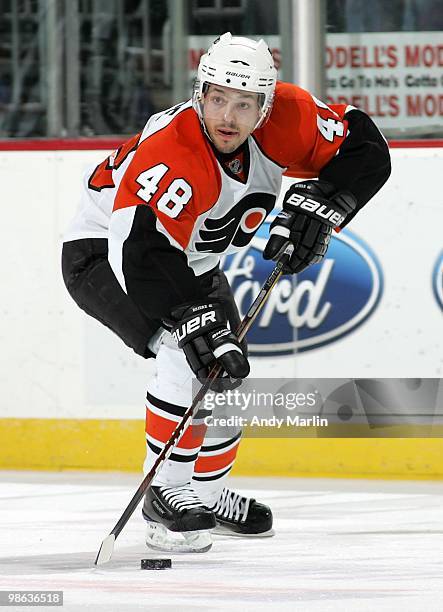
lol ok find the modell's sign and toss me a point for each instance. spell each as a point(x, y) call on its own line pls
point(324, 303)
point(395, 77)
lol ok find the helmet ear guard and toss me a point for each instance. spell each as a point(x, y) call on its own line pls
point(239, 63)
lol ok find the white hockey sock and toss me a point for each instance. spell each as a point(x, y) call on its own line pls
point(213, 465)
point(169, 394)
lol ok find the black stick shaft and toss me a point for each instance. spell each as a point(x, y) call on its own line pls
point(242, 330)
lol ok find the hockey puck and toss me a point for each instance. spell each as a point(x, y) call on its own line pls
point(156, 564)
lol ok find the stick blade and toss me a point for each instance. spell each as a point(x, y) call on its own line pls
point(106, 550)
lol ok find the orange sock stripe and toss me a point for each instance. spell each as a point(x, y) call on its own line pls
point(161, 429)
point(215, 462)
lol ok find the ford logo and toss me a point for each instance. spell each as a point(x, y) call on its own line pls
point(328, 301)
point(437, 280)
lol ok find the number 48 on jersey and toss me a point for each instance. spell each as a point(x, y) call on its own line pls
point(175, 198)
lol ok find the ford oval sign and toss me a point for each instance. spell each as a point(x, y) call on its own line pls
point(324, 303)
point(437, 280)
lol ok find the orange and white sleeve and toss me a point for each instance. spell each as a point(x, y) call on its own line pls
point(343, 146)
point(320, 130)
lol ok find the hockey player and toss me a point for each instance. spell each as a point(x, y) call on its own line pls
point(142, 254)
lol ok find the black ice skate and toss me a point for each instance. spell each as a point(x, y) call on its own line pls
point(241, 516)
point(177, 520)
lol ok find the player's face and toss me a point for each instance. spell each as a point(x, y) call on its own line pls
point(230, 115)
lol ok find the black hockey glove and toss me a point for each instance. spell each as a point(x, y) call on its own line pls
point(201, 331)
point(310, 212)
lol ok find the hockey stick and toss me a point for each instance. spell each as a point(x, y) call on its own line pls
point(107, 546)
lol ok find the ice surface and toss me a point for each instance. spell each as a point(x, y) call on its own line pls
point(340, 545)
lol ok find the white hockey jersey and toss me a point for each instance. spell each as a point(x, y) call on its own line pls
point(201, 206)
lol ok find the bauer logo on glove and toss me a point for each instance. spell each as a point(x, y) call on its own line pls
point(193, 324)
point(310, 211)
point(206, 338)
point(322, 210)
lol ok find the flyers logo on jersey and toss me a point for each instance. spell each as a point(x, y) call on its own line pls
point(237, 226)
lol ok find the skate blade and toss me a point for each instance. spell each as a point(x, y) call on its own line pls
point(222, 530)
point(162, 539)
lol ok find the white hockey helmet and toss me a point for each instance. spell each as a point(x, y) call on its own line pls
point(240, 63)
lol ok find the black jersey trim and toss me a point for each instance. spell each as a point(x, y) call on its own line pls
point(157, 274)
